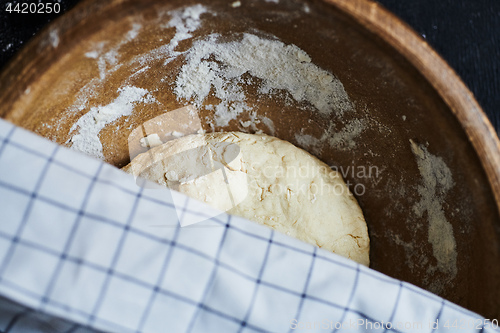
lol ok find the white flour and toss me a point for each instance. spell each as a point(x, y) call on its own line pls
point(213, 67)
point(108, 61)
point(185, 21)
point(88, 127)
point(437, 181)
point(54, 38)
point(211, 64)
point(343, 139)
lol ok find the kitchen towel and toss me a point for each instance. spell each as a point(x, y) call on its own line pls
point(86, 247)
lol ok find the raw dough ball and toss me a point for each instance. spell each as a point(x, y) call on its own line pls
point(266, 180)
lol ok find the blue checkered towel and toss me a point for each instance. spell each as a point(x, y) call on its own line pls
point(83, 248)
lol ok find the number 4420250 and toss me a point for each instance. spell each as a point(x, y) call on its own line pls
point(471, 324)
point(33, 8)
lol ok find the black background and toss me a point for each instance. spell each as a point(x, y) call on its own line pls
point(465, 32)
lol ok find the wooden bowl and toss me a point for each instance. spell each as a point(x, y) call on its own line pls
point(432, 210)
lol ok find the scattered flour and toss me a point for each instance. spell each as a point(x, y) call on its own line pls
point(308, 142)
point(343, 139)
point(185, 21)
point(437, 181)
point(269, 123)
point(211, 64)
point(92, 54)
point(133, 32)
point(142, 70)
point(222, 69)
point(108, 61)
point(54, 38)
point(88, 127)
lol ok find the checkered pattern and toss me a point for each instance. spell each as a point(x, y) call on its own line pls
point(80, 240)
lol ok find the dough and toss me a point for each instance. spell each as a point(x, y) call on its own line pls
point(266, 180)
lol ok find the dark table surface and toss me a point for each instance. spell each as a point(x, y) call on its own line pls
point(465, 32)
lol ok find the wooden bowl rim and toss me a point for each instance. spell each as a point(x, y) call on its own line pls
point(404, 40)
point(439, 74)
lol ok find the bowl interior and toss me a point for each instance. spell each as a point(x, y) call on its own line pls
point(432, 217)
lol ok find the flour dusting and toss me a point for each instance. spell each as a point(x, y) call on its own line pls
point(216, 67)
point(92, 54)
point(185, 21)
point(108, 61)
point(308, 142)
point(211, 64)
point(343, 139)
point(54, 38)
point(136, 27)
point(437, 181)
point(88, 127)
